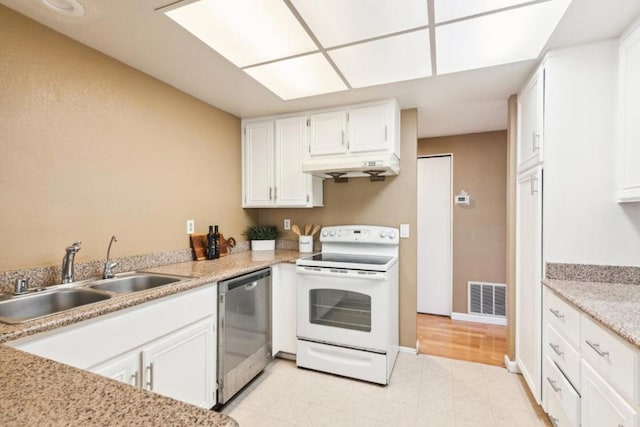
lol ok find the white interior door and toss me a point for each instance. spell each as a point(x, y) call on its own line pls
point(434, 235)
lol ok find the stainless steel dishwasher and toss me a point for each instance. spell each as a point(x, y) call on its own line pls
point(244, 330)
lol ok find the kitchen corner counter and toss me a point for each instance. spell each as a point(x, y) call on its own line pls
point(38, 391)
point(615, 305)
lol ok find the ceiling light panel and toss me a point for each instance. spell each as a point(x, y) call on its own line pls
point(393, 59)
point(246, 32)
point(500, 38)
point(338, 22)
point(298, 77)
point(447, 10)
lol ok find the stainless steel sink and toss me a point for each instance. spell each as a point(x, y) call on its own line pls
point(33, 306)
point(134, 283)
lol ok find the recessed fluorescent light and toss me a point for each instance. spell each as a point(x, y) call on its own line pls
point(66, 7)
point(389, 60)
point(246, 32)
point(446, 10)
point(338, 22)
point(500, 38)
point(298, 77)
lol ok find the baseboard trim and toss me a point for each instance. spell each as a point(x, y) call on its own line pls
point(479, 319)
point(511, 366)
point(407, 350)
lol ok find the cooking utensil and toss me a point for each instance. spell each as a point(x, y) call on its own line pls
point(315, 230)
point(307, 229)
point(295, 229)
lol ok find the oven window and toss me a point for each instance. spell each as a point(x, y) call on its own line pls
point(340, 309)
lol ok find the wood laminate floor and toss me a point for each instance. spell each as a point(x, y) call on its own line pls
point(455, 339)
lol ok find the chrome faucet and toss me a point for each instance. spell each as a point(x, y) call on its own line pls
point(67, 262)
point(21, 286)
point(108, 265)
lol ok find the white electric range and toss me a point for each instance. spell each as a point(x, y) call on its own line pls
point(347, 315)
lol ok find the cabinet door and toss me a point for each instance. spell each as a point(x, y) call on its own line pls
point(601, 405)
point(125, 369)
point(528, 277)
point(530, 113)
point(284, 309)
point(629, 111)
point(369, 129)
point(258, 164)
point(182, 364)
point(328, 133)
point(292, 186)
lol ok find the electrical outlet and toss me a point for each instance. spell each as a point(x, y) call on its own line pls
point(191, 225)
point(287, 224)
point(404, 231)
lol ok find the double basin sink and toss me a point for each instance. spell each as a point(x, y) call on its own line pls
point(24, 308)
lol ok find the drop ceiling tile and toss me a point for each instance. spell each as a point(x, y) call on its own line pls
point(500, 38)
point(338, 22)
point(393, 59)
point(243, 31)
point(298, 77)
point(446, 10)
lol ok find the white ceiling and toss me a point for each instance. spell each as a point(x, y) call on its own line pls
point(464, 102)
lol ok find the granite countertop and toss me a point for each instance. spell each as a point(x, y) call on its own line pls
point(38, 391)
point(615, 305)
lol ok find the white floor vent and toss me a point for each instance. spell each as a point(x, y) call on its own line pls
point(487, 299)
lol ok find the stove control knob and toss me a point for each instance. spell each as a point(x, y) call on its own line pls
point(383, 234)
point(332, 233)
point(392, 234)
point(325, 233)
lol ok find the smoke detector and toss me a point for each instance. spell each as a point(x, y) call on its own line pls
point(65, 7)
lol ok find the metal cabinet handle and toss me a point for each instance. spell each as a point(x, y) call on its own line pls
point(596, 348)
point(556, 348)
point(150, 376)
point(553, 385)
point(342, 137)
point(554, 420)
point(133, 379)
point(535, 141)
point(556, 313)
point(275, 193)
point(385, 132)
point(270, 193)
point(534, 186)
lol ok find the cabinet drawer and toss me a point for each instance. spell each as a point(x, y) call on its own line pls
point(615, 360)
point(563, 317)
point(557, 385)
point(564, 355)
point(602, 406)
point(556, 414)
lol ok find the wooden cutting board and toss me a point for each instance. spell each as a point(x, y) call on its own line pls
point(199, 245)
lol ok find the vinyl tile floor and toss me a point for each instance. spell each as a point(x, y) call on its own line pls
point(424, 391)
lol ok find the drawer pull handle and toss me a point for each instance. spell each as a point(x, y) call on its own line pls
point(556, 348)
point(596, 348)
point(556, 313)
point(554, 420)
point(553, 385)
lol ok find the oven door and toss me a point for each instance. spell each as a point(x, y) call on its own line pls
point(343, 307)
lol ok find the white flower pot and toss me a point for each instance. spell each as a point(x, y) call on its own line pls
point(263, 245)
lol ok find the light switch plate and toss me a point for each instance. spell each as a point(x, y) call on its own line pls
point(404, 231)
point(287, 224)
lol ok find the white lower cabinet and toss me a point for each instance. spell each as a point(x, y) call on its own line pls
point(602, 406)
point(167, 346)
point(283, 300)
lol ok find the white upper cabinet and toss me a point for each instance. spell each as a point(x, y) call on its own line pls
point(272, 167)
point(328, 133)
point(530, 122)
point(369, 128)
point(628, 114)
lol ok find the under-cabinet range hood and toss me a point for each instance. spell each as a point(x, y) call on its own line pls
point(376, 166)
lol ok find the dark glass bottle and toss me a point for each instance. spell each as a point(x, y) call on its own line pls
point(211, 254)
point(216, 243)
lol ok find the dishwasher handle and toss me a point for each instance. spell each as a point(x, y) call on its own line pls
point(250, 280)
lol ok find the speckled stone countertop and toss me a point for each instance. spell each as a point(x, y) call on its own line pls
point(38, 391)
point(615, 305)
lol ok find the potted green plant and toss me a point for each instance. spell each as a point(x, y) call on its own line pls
point(263, 237)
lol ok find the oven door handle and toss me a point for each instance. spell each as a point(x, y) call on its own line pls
point(342, 273)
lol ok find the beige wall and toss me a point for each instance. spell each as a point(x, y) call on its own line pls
point(511, 225)
point(387, 203)
point(479, 230)
point(91, 147)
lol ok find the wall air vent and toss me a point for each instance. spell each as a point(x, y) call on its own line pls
point(487, 299)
